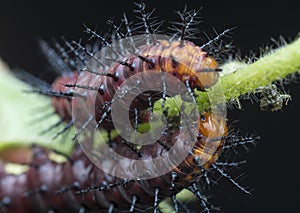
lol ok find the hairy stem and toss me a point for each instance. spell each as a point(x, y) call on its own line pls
point(245, 79)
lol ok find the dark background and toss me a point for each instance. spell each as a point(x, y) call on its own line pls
point(272, 166)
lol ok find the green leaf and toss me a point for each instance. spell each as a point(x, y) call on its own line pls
point(18, 111)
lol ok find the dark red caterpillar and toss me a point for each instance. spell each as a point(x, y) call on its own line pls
point(77, 185)
point(181, 59)
point(187, 62)
point(107, 71)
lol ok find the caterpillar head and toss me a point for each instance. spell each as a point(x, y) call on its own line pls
point(212, 130)
point(190, 63)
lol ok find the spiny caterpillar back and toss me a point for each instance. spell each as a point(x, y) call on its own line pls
point(82, 186)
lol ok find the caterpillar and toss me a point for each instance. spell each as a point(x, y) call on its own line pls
point(104, 74)
point(79, 184)
point(181, 59)
point(114, 64)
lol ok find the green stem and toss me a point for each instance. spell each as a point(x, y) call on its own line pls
point(276, 66)
point(246, 79)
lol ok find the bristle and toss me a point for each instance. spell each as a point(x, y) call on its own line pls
point(103, 187)
point(230, 164)
point(65, 129)
point(90, 54)
point(43, 188)
point(150, 62)
point(67, 95)
point(156, 201)
point(234, 141)
point(51, 127)
point(191, 93)
point(31, 80)
point(225, 175)
point(81, 60)
point(204, 174)
point(117, 29)
point(173, 177)
point(102, 39)
point(111, 208)
point(187, 28)
point(194, 188)
point(133, 203)
point(82, 86)
point(218, 47)
point(149, 23)
point(83, 127)
point(65, 56)
point(130, 66)
point(55, 60)
point(103, 117)
point(133, 148)
point(129, 32)
point(42, 117)
point(120, 37)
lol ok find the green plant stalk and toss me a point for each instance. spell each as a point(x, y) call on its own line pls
point(276, 66)
point(245, 79)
